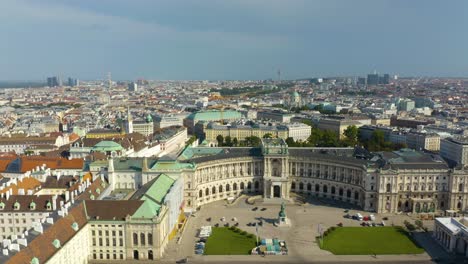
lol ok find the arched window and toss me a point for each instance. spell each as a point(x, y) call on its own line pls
point(301, 186)
point(142, 239)
point(228, 187)
point(220, 188)
point(200, 194)
point(389, 187)
point(234, 186)
point(459, 205)
point(293, 185)
point(348, 193)
point(150, 239)
point(460, 187)
point(356, 195)
point(249, 185)
point(135, 239)
point(242, 186)
point(207, 191)
point(309, 187)
point(150, 254)
point(333, 189)
point(317, 188)
point(325, 189)
point(340, 192)
point(257, 185)
point(213, 190)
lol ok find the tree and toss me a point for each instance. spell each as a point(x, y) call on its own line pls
point(290, 141)
point(228, 141)
point(235, 142)
point(252, 141)
point(351, 134)
point(268, 135)
point(220, 140)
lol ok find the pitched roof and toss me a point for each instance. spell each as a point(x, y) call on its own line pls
point(111, 209)
point(25, 200)
point(27, 163)
point(28, 183)
point(41, 247)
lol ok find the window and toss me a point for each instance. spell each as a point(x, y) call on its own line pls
point(150, 239)
point(142, 239)
point(121, 242)
point(135, 239)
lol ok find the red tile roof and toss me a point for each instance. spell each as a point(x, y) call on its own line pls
point(41, 247)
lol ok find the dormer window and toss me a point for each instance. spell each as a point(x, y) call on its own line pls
point(49, 206)
point(16, 206)
point(91, 197)
point(75, 226)
point(98, 191)
point(32, 206)
point(2, 206)
point(56, 243)
point(34, 260)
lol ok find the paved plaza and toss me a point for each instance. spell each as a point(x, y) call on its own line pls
point(300, 237)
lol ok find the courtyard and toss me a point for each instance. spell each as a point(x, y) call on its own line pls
point(368, 241)
point(224, 241)
point(300, 237)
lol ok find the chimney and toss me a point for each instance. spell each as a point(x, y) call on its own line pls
point(8, 195)
point(72, 197)
point(54, 202)
point(67, 196)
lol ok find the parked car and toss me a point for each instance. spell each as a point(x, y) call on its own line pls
point(359, 216)
point(263, 209)
point(199, 251)
point(347, 216)
point(202, 240)
point(181, 261)
point(255, 209)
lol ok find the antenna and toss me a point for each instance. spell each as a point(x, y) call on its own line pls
point(109, 79)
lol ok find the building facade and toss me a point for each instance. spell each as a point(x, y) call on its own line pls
point(399, 181)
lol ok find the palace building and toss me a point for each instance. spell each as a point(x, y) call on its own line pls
point(384, 182)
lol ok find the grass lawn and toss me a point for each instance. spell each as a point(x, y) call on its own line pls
point(370, 240)
point(224, 241)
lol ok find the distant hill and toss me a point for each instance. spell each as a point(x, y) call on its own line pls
point(21, 84)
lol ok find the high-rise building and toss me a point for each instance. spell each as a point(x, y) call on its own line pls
point(73, 82)
point(372, 79)
point(132, 87)
point(54, 81)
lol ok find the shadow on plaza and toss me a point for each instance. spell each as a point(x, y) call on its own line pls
point(435, 251)
point(320, 201)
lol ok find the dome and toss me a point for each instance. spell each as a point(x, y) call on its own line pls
point(295, 94)
point(149, 118)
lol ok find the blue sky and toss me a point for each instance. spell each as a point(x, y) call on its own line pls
point(231, 39)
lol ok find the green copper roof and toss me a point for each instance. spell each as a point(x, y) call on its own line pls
point(160, 188)
point(171, 166)
point(107, 146)
point(128, 164)
point(148, 209)
point(215, 115)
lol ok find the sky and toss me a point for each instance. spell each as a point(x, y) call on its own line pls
point(231, 39)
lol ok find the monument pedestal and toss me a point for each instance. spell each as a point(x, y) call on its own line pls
point(283, 220)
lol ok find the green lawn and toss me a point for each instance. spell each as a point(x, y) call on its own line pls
point(224, 241)
point(370, 240)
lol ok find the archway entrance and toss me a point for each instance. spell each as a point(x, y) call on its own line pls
point(136, 255)
point(150, 254)
point(276, 191)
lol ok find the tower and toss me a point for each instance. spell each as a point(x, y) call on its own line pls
point(129, 123)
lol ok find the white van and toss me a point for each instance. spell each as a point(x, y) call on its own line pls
point(359, 216)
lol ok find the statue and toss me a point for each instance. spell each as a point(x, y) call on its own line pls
point(283, 220)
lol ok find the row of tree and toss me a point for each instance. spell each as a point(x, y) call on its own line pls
point(321, 138)
point(328, 138)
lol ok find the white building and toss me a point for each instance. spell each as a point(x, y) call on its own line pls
point(455, 149)
point(299, 131)
point(452, 234)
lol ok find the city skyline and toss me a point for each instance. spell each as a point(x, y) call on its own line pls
point(242, 40)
